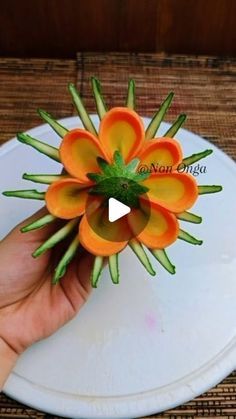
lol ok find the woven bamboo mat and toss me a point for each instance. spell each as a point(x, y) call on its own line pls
point(204, 89)
point(28, 84)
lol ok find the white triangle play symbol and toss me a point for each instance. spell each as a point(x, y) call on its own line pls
point(116, 209)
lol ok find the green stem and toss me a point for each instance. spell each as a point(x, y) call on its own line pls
point(118, 158)
point(114, 268)
point(26, 194)
point(158, 117)
point(184, 235)
point(97, 270)
point(175, 126)
point(205, 189)
point(189, 217)
point(196, 157)
point(130, 101)
point(66, 259)
point(161, 256)
point(45, 179)
point(142, 256)
point(97, 92)
point(43, 148)
point(56, 238)
point(41, 222)
point(56, 126)
point(84, 116)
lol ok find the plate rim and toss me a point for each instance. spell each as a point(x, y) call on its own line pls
point(130, 406)
point(135, 405)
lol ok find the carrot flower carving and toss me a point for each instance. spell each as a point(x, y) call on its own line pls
point(99, 164)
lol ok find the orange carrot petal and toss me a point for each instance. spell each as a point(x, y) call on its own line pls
point(121, 129)
point(66, 198)
point(176, 192)
point(101, 237)
point(79, 151)
point(161, 228)
point(158, 152)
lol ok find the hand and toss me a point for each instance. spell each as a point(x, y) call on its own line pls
point(31, 308)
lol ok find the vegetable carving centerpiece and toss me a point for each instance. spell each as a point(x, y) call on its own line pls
point(104, 163)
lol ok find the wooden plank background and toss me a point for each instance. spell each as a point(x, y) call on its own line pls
point(60, 28)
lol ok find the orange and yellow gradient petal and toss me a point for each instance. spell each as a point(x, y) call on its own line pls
point(161, 228)
point(100, 237)
point(79, 151)
point(175, 192)
point(165, 152)
point(66, 198)
point(121, 129)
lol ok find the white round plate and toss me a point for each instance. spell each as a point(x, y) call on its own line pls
point(148, 344)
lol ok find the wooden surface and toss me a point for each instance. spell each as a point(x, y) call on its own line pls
point(196, 26)
point(205, 90)
point(59, 28)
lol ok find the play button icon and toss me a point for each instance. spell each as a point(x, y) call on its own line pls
point(110, 217)
point(116, 209)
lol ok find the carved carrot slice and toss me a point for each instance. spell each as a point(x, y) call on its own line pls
point(176, 192)
point(121, 129)
point(66, 198)
point(101, 237)
point(79, 151)
point(162, 227)
point(161, 152)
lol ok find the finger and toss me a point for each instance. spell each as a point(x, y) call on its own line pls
point(38, 214)
point(38, 234)
point(32, 218)
point(76, 283)
point(84, 269)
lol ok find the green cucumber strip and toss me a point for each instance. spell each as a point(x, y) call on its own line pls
point(99, 101)
point(56, 238)
point(158, 117)
point(65, 260)
point(183, 235)
point(97, 270)
point(43, 148)
point(190, 217)
point(41, 222)
point(175, 126)
point(84, 116)
point(196, 157)
point(114, 268)
point(46, 179)
point(204, 189)
point(56, 126)
point(142, 256)
point(26, 194)
point(161, 256)
point(130, 101)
